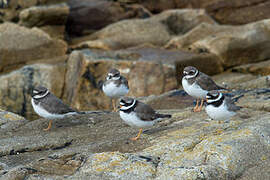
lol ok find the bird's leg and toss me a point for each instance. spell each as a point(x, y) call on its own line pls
point(49, 126)
point(195, 109)
point(200, 108)
point(114, 105)
point(137, 137)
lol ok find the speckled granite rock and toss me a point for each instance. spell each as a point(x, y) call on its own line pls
point(97, 146)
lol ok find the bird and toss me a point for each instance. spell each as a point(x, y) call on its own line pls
point(139, 115)
point(47, 105)
point(219, 106)
point(198, 84)
point(115, 86)
point(4, 3)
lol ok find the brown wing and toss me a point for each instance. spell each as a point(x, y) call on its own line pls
point(207, 83)
point(230, 104)
point(56, 105)
point(124, 81)
point(145, 112)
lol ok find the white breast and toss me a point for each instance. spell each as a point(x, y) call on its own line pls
point(194, 90)
point(132, 120)
point(112, 90)
point(45, 114)
point(219, 113)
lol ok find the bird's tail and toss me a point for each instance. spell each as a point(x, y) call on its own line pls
point(164, 115)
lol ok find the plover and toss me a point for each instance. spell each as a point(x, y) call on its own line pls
point(197, 84)
point(115, 86)
point(47, 105)
point(4, 3)
point(220, 107)
point(139, 115)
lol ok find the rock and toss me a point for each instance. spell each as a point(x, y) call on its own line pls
point(181, 21)
point(261, 68)
point(117, 166)
point(96, 146)
point(129, 33)
point(9, 121)
point(223, 11)
point(234, 80)
point(16, 87)
point(91, 15)
point(261, 82)
point(241, 12)
point(44, 15)
point(15, 7)
point(86, 71)
point(55, 32)
point(196, 34)
point(20, 45)
point(175, 99)
point(234, 45)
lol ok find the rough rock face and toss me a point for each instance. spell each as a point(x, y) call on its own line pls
point(44, 15)
point(223, 11)
point(234, 45)
point(86, 71)
point(11, 13)
point(128, 33)
point(16, 87)
point(10, 121)
point(91, 15)
point(262, 68)
point(20, 45)
point(189, 145)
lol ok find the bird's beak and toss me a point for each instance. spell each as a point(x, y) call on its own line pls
point(120, 106)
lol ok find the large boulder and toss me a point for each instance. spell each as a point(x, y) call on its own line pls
point(223, 11)
point(44, 15)
point(16, 87)
point(234, 45)
point(97, 146)
point(14, 7)
point(156, 30)
point(86, 70)
point(91, 15)
point(261, 68)
point(20, 45)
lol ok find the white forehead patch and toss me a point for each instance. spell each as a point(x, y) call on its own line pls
point(217, 99)
point(128, 107)
point(41, 96)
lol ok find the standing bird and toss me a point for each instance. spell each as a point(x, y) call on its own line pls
point(139, 115)
point(49, 106)
point(220, 107)
point(197, 84)
point(115, 86)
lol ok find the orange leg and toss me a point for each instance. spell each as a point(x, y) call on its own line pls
point(195, 109)
point(49, 126)
point(201, 105)
point(137, 137)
